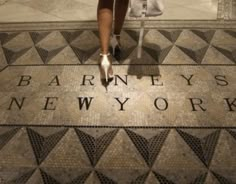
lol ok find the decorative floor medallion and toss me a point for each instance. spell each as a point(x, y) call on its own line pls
point(166, 118)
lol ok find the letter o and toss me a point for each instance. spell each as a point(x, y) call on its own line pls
point(165, 104)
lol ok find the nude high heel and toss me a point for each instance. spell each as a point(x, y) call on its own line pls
point(106, 67)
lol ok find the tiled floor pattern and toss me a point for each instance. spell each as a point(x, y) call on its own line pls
point(82, 47)
point(53, 155)
point(119, 153)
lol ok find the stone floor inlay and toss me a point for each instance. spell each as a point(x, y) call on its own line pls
point(138, 95)
point(166, 118)
point(184, 78)
point(46, 154)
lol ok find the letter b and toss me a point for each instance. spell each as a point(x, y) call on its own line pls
point(24, 80)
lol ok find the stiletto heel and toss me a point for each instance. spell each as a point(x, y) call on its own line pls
point(105, 66)
point(106, 72)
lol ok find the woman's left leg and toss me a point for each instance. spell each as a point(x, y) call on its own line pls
point(121, 7)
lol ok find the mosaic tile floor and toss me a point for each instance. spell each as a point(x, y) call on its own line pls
point(117, 155)
point(166, 118)
point(53, 77)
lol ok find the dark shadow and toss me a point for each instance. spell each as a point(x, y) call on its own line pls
point(118, 55)
point(144, 66)
point(143, 70)
point(106, 83)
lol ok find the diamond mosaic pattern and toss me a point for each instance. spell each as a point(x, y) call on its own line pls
point(82, 47)
point(117, 155)
point(204, 148)
point(43, 145)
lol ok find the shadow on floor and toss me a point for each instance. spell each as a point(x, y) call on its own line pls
point(142, 70)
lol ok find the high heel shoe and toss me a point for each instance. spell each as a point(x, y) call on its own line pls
point(106, 67)
point(116, 47)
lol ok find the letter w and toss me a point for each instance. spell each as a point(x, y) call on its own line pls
point(85, 100)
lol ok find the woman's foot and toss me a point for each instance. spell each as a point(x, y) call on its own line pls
point(116, 46)
point(105, 64)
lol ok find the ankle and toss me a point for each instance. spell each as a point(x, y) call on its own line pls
point(105, 58)
point(104, 54)
point(116, 33)
point(117, 36)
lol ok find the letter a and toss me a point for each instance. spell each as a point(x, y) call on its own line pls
point(54, 80)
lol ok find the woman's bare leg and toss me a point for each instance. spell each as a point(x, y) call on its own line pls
point(121, 7)
point(105, 18)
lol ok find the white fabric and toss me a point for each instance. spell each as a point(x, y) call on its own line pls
point(142, 9)
point(136, 8)
point(148, 7)
point(154, 7)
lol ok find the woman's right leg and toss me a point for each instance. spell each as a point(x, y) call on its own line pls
point(105, 18)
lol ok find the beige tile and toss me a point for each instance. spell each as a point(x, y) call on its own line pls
point(78, 10)
point(8, 13)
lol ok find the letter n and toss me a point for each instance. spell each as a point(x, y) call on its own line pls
point(19, 104)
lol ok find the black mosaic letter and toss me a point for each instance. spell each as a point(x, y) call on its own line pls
point(125, 81)
point(198, 103)
point(89, 80)
point(24, 80)
point(122, 104)
point(156, 79)
point(85, 100)
point(19, 104)
point(220, 80)
point(48, 102)
point(188, 79)
point(54, 80)
point(231, 104)
point(165, 101)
